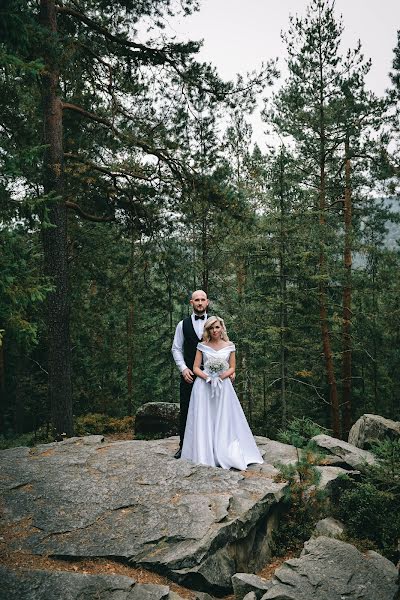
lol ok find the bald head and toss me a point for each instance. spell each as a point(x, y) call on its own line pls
point(199, 293)
point(199, 301)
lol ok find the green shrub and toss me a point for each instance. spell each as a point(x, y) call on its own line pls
point(386, 473)
point(41, 436)
point(372, 514)
point(370, 508)
point(303, 504)
point(300, 431)
point(155, 435)
point(122, 425)
point(98, 424)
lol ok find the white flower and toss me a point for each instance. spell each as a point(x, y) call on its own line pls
point(215, 365)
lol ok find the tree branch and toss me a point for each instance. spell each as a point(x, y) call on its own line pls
point(172, 163)
point(67, 10)
point(90, 115)
point(85, 215)
point(106, 170)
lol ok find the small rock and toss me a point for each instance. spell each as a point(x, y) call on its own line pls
point(158, 418)
point(330, 475)
point(349, 454)
point(276, 453)
point(243, 583)
point(372, 428)
point(203, 596)
point(329, 527)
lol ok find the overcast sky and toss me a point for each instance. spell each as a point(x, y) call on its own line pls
point(239, 34)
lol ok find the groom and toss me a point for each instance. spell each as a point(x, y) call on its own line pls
point(188, 334)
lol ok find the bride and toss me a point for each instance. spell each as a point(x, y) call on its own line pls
point(217, 433)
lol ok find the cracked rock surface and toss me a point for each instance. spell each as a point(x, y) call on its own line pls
point(330, 569)
point(131, 500)
point(48, 585)
point(345, 453)
point(371, 428)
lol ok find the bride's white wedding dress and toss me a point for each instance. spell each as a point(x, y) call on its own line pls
point(217, 432)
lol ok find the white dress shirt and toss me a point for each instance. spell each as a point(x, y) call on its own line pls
point(177, 344)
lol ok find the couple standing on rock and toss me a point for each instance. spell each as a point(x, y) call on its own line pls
point(213, 427)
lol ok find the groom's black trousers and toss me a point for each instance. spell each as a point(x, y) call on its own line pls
point(185, 389)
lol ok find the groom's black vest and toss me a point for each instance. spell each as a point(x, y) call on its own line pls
point(190, 341)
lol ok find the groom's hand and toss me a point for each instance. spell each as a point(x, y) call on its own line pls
point(188, 375)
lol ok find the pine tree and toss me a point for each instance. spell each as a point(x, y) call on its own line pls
point(94, 70)
point(310, 110)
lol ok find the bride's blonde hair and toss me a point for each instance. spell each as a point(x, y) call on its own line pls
point(210, 321)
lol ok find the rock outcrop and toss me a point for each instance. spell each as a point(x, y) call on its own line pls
point(370, 429)
point(346, 454)
point(132, 501)
point(200, 526)
point(329, 569)
point(157, 418)
point(64, 585)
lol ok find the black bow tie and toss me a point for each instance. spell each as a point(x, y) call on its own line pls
point(197, 317)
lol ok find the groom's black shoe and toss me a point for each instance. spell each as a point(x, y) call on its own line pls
point(178, 453)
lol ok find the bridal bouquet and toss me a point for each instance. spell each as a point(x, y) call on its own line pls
point(214, 366)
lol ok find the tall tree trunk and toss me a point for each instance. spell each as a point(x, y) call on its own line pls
point(204, 253)
point(374, 335)
point(240, 283)
point(265, 403)
point(55, 237)
point(283, 294)
point(2, 387)
point(347, 293)
point(249, 388)
point(323, 296)
point(171, 338)
point(19, 406)
point(129, 331)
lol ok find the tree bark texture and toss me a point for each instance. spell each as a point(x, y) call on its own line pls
point(55, 237)
point(241, 366)
point(323, 296)
point(130, 320)
point(283, 294)
point(347, 295)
